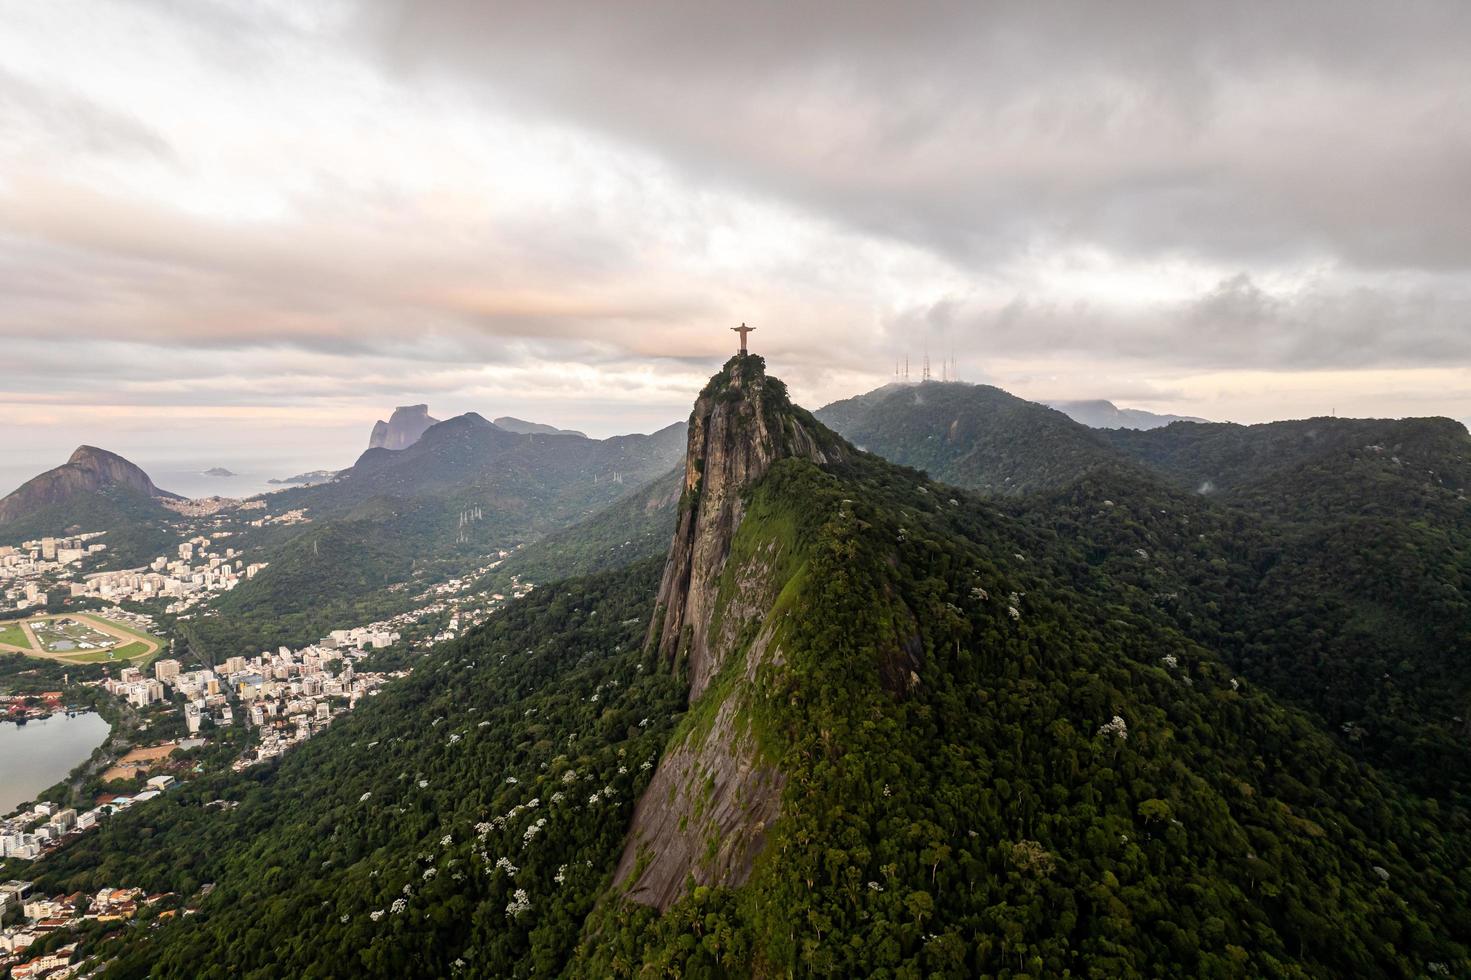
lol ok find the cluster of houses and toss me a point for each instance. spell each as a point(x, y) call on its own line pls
point(201, 569)
point(297, 516)
point(290, 695)
point(29, 834)
point(25, 707)
point(43, 916)
point(26, 571)
point(464, 612)
point(30, 574)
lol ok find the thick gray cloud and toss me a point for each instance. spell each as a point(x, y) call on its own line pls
point(558, 209)
point(1243, 132)
point(1237, 323)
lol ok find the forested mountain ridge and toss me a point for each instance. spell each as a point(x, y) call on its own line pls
point(1216, 457)
point(1328, 558)
point(935, 735)
point(509, 470)
point(464, 490)
point(974, 436)
point(634, 528)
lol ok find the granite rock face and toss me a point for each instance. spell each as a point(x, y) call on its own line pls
point(742, 423)
point(705, 813)
point(403, 428)
point(87, 471)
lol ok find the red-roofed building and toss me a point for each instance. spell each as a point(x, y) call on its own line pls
point(42, 965)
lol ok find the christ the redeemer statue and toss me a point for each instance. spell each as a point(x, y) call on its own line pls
point(743, 330)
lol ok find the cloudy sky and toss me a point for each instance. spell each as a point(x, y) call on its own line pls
point(227, 226)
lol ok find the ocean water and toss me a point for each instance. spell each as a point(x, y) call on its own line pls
point(186, 477)
point(193, 483)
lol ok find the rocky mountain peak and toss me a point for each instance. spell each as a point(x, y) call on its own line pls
point(742, 422)
point(705, 812)
point(94, 468)
point(87, 470)
point(403, 428)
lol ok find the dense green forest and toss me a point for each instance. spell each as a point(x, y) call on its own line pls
point(1066, 784)
point(628, 531)
point(1364, 619)
point(394, 843)
point(1113, 727)
point(1326, 559)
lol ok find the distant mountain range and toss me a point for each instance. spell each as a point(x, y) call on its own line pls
point(533, 428)
point(466, 488)
point(1100, 414)
point(471, 453)
point(305, 479)
point(408, 423)
point(1071, 712)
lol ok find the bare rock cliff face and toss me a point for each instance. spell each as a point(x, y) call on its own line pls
point(741, 424)
point(705, 813)
point(403, 428)
point(88, 470)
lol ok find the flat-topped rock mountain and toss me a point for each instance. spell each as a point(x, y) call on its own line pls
point(403, 428)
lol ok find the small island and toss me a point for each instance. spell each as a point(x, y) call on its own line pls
point(218, 471)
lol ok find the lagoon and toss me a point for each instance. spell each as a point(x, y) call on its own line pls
point(41, 752)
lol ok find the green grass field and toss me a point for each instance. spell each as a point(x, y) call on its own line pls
point(129, 629)
point(49, 634)
point(63, 635)
point(132, 651)
point(126, 652)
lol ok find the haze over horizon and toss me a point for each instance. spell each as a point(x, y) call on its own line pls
point(255, 228)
